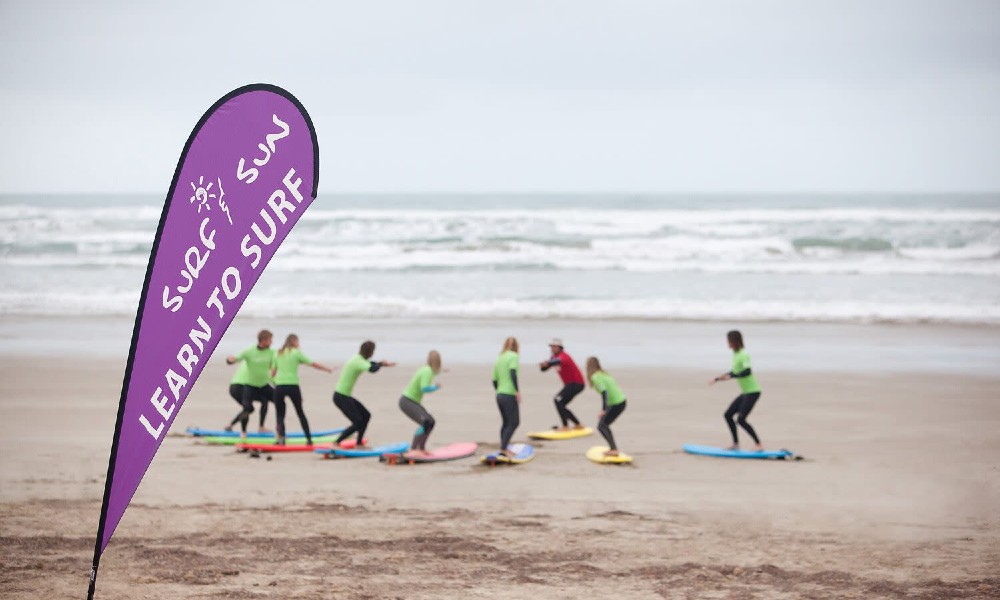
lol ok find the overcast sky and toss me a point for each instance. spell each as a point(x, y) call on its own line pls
point(544, 96)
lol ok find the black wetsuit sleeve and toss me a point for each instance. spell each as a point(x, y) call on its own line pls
point(604, 400)
point(513, 378)
point(551, 363)
point(494, 384)
point(375, 367)
point(743, 373)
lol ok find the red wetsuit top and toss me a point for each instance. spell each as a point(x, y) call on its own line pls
point(568, 371)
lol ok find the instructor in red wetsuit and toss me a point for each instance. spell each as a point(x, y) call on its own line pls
point(572, 383)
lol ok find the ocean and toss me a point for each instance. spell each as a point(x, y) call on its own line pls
point(734, 259)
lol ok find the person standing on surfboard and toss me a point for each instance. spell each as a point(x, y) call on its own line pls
point(508, 393)
point(572, 383)
point(749, 390)
point(252, 381)
point(411, 402)
point(352, 409)
point(613, 401)
point(286, 384)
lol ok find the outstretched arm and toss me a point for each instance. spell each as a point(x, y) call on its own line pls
point(316, 365)
point(545, 365)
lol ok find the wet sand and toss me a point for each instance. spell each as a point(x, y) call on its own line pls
point(897, 496)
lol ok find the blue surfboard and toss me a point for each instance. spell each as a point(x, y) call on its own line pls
point(199, 432)
point(522, 454)
point(361, 453)
point(723, 453)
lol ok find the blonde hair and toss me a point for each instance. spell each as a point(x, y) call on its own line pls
point(511, 345)
point(434, 361)
point(593, 367)
point(289, 343)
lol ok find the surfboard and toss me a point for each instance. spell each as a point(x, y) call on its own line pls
point(723, 453)
point(276, 448)
point(596, 454)
point(445, 453)
point(232, 441)
point(522, 454)
point(555, 434)
point(341, 452)
point(199, 432)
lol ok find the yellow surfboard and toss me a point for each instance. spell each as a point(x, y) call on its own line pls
point(596, 454)
point(555, 434)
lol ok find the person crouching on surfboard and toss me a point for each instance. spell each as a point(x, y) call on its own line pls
point(613, 401)
point(411, 400)
point(749, 390)
point(572, 383)
point(508, 393)
point(352, 409)
point(286, 384)
point(252, 381)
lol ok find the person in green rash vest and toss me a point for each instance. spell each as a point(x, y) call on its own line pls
point(252, 381)
point(411, 402)
point(286, 384)
point(613, 401)
point(749, 390)
point(508, 392)
point(348, 404)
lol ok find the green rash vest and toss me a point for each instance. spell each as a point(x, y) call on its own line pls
point(605, 383)
point(287, 364)
point(255, 367)
point(350, 373)
point(741, 362)
point(501, 372)
point(424, 377)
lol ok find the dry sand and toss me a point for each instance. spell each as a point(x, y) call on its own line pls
point(899, 495)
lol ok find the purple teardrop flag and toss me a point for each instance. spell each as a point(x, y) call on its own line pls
point(247, 174)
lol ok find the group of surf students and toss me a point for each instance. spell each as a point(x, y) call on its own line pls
point(260, 365)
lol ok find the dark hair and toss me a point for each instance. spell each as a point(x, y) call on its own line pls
point(367, 349)
point(735, 339)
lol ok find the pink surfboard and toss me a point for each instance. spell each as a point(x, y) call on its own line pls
point(444, 453)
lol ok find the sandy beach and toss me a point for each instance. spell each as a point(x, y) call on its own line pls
point(896, 497)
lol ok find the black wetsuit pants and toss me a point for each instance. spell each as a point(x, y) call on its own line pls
point(419, 415)
point(742, 406)
point(611, 413)
point(564, 397)
point(356, 413)
point(245, 396)
point(510, 413)
point(294, 393)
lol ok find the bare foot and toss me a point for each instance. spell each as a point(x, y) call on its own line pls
point(578, 426)
point(734, 448)
point(611, 453)
point(758, 448)
point(263, 430)
point(228, 428)
point(419, 452)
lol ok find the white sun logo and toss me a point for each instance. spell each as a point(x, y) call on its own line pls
point(202, 193)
